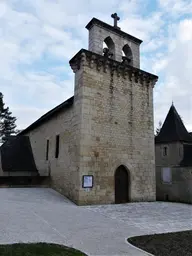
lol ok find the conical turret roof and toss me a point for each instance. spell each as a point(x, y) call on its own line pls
point(173, 129)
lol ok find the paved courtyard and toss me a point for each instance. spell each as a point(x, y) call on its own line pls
point(41, 214)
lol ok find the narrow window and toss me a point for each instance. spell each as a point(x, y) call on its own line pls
point(164, 151)
point(180, 151)
point(166, 175)
point(47, 150)
point(57, 147)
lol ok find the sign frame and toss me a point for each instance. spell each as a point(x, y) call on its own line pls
point(89, 182)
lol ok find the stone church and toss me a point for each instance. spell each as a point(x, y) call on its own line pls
point(97, 147)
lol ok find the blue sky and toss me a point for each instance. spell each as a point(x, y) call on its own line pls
point(38, 38)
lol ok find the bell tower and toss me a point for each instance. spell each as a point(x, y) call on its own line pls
point(113, 105)
point(120, 45)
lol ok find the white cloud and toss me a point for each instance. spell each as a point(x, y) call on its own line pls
point(160, 64)
point(3, 8)
point(131, 7)
point(176, 7)
point(153, 44)
point(39, 37)
point(143, 27)
point(185, 30)
point(178, 79)
point(38, 93)
point(26, 115)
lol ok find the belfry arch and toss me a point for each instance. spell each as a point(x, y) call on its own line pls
point(109, 47)
point(126, 52)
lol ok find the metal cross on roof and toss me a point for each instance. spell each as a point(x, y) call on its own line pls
point(116, 18)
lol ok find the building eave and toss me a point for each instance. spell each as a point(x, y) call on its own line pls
point(95, 21)
point(100, 60)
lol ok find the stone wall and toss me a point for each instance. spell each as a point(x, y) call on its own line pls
point(174, 154)
point(179, 190)
point(64, 169)
point(116, 129)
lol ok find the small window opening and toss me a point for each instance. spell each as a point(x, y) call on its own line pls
point(180, 151)
point(57, 147)
point(166, 175)
point(165, 153)
point(47, 150)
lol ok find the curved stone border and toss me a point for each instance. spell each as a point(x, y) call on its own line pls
point(146, 253)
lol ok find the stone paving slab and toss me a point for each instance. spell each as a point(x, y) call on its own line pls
point(154, 217)
point(41, 214)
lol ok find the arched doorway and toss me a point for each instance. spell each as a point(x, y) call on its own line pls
point(121, 185)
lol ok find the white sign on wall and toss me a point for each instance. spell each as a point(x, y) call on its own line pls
point(87, 181)
point(166, 175)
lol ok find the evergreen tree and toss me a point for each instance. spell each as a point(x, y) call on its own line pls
point(2, 111)
point(7, 121)
point(18, 131)
point(158, 128)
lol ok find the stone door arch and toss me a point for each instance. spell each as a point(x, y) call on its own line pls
point(121, 185)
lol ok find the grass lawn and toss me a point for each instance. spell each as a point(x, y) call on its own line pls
point(38, 249)
point(168, 244)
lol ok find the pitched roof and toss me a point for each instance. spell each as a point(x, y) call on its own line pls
point(48, 115)
point(187, 153)
point(16, 155)
point(173, 129)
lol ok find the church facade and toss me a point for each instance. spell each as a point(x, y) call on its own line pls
point(98, 146)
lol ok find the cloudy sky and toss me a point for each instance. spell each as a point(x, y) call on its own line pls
point(38, 38)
